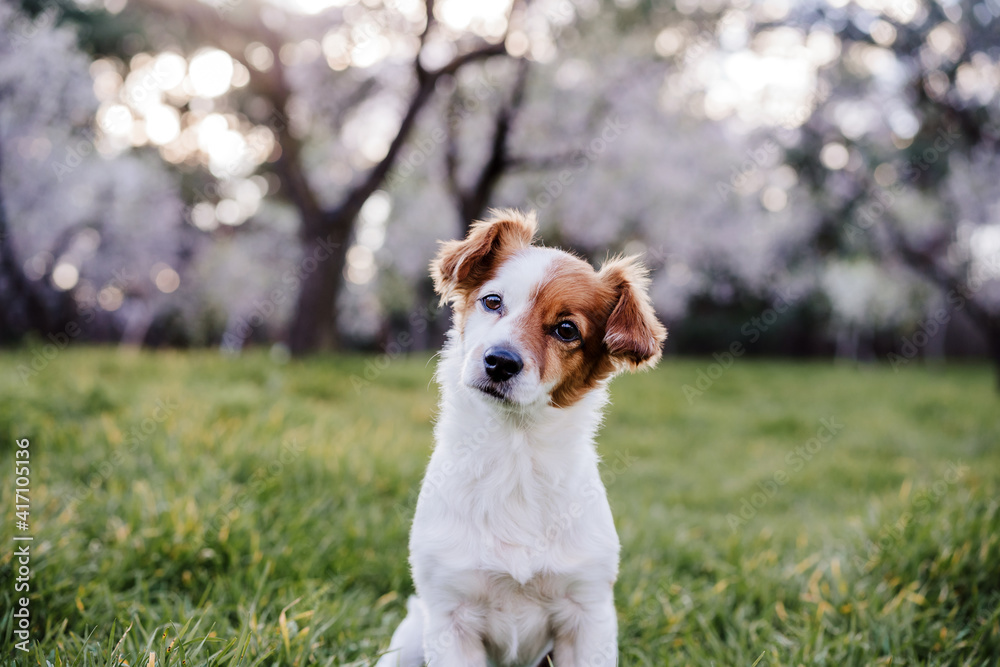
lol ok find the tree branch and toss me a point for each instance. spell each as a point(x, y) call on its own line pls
point(476, 199)
point(451, 149)
point(24, 308)
point(425, 89)
point(542, 162)
point(481, 53)
point(232, 37)
point(417, 65)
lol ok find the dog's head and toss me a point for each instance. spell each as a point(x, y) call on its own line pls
point(539, 326)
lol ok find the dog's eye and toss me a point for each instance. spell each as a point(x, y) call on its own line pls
point(492, 301)
point(567, 332)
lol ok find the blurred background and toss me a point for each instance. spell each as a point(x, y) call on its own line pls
point(814, 178)
point(260, 180)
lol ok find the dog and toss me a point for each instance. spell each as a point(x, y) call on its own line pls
point(513, 547)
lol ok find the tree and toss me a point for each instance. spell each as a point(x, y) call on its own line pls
point(885, 121)
point(919, 184)
point(326, 229)
point(79, 233)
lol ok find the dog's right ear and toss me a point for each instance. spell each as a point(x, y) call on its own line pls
point(460, 266)
point(633, 336)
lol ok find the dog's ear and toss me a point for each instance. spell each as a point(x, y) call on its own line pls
point(633, 336)
point(462, 265)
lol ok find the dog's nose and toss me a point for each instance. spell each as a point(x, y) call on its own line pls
point(502, 364)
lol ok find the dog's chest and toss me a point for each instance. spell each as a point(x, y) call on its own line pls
point(514, 505)
point(504, 527)
point(513, 537)
point(520, 523)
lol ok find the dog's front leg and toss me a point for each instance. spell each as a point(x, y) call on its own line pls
point(590, 641)
point(450, 642)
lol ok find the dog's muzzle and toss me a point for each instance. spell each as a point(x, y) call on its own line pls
point(502, 364)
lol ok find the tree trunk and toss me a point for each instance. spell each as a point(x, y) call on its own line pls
point(24, 308)
point(994, 339)
point(326, 237)
point(321, 271)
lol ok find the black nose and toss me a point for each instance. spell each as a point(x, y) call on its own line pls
point(502, 364)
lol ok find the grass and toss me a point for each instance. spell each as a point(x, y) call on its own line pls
point(219, 511)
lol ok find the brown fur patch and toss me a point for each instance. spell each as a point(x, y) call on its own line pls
point(634, 336)
point(461, 266)
point(572, 292)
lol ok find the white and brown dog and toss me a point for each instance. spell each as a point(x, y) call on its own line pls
point(513, 547)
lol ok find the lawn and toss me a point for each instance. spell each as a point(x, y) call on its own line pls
point(217, 510)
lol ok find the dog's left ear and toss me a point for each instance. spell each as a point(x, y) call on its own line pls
point(633, 336)
point(462, 265)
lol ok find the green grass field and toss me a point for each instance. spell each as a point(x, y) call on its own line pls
point(219, 511)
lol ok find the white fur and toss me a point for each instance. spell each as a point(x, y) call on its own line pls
point(513, 547)
point(515, 282)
